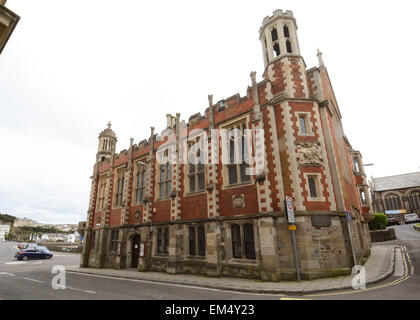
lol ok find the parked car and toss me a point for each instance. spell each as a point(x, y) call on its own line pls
point(34, 253)
point(392, 220)
point(411, 217)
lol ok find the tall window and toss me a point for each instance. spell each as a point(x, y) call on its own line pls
point(119, 188)
point(101, 192)
point(274, 35)
point(113, 245)
point(92, 244)
point(249, 241)
point(236, 241)
point(245, 249)
point(197, 247)
point(312, 186)
point(165, 173)
point(196, 165)
point(163, 240)
point(363, 197)
point(286, 31)
point(393, 202)
point(414, 199)
point(302, 124)
point(288, 46)
point(140, 182)
point(356, 164)
point(238, 154)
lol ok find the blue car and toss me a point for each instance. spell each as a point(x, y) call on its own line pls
point(33, 253)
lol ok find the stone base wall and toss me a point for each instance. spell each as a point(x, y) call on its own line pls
point(323, 245)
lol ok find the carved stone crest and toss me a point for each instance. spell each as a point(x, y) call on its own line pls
point(238, 201)
point(309, 154)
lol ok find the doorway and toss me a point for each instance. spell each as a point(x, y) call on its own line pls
point(135, 250)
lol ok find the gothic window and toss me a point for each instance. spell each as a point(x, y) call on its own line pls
point(101, 192)
point(159, 241)
point(414, 199)
point(274, 35)
point(165, 172)
point(288, 46)
point(92, 244)
point(140, 183)
point(356, 164)
point(201, 240)
point(302, 124)
point(196, 165)
point(249, 241)
point(119, 188)
point(113, 245)
point(393, 202)
point(286, 31)
point(312, 186)
point(197, 241)
point(192, 241)
point(166, 241)
point(363, 197)
point(163, 240)
point(236, 241)
point(238, 154)
point(276, 49)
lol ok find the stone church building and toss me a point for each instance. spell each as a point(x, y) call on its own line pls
point(206, 196)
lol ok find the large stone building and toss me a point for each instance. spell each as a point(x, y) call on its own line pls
point(8, 22)
point(155, 207)
point(400, 192)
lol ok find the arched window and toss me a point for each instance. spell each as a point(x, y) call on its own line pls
point(249, 241)
point(274, 35)
point(286, 31)
point(236, 241)
point(414, 199)
point(393, 202)
point(288, 46)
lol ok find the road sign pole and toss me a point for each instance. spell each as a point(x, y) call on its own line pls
point(295, 253)
point(349, 218)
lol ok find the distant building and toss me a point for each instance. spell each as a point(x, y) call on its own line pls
point(8, 22)
point(400, 192)
point(4, 230)
point(25, 222)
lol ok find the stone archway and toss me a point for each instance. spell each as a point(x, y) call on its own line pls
point(132, 255)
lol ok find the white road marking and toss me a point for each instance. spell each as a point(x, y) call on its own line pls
point(34, 280)
point(9, 274)
point(17, 262)
point(75, 289)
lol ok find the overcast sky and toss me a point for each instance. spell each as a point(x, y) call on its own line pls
point(72, 66)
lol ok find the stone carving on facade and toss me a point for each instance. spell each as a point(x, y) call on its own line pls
point(238, 201)
point(309, 154)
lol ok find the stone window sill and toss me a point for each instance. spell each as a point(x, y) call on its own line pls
point(246, 262)
point(199, 258)
point(238, 185)
point(195, 193)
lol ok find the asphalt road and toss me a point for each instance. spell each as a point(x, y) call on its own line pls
point(33, 280)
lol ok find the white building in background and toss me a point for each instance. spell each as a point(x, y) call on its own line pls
point(4, 230)
point(72, 238)
point(45, 237)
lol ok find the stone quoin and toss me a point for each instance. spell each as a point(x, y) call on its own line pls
point(186, 198)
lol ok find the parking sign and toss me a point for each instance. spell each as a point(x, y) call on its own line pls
point(290, 211)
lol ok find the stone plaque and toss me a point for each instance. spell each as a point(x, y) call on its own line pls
point(321, 221)
point(238, 201)
point(309, 154)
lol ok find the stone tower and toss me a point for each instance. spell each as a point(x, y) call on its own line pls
point(284, 66)
point(107, 144)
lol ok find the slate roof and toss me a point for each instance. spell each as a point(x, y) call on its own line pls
point(401, 181)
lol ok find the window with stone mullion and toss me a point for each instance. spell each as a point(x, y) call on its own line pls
point(141, 184)
point(196, 169)
point(238, 155)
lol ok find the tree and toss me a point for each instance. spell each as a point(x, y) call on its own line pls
point(379, 222)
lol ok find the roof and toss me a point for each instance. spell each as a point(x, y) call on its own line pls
point(401, 181)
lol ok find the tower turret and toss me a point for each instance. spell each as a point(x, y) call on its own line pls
point(107, 144)
point(278, 36)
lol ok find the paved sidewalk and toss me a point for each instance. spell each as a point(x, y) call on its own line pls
point(379, 266)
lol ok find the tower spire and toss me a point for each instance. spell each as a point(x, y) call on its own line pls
point(320, 60)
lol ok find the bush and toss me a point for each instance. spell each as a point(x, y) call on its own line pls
point(379, 222)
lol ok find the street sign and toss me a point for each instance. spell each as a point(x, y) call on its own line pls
point(290, 211)
point(292, 227)
point(348, 216)
point(142, 249)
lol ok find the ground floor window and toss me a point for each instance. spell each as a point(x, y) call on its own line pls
point(393, 202)
point(414, 199)
point(243, 247)
point(92, 244)
point(163, 240)
point(197, 240)
point(113, 245)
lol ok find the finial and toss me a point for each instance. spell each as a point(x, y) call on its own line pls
point(109, 125)
point(210, 100)
point(253, 77)
point(321, 61)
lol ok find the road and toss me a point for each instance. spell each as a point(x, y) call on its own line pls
point(33, 280)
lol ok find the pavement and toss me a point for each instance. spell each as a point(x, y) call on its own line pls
point(382, 263)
